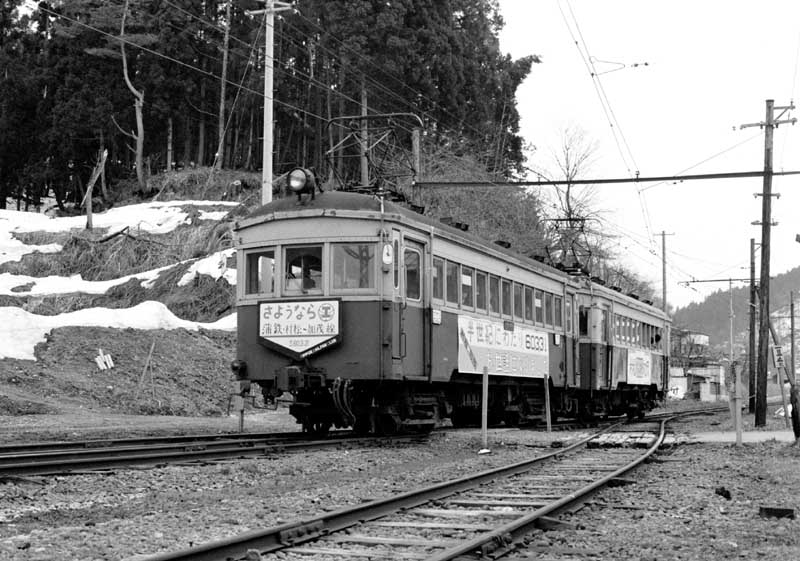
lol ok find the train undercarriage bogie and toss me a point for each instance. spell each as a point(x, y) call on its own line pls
point(368, 406)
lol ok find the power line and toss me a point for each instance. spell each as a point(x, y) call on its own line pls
point(172, 59)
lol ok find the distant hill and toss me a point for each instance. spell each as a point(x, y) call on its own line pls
point(712, 316)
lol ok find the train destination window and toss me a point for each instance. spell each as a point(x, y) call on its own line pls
point(466, 286)
point(452, 283)
point(303, 268)
point(494, 295)
point(537, 305)
point(353, 265)
point(518, 301)
point(558, 319)
point(412, 260)
point(528, 303)
point(480, 290)
point(438, 278)
point(260, 271)
point(506, 297)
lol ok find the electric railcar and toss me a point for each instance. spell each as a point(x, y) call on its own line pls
point(375, 317)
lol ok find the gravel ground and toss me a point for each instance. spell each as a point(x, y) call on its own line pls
point(673, 512)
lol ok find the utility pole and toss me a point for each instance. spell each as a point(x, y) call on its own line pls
point(751, 354)
point(270, 7)
point(664, 235)
point(364, 137)
point(768, 125)
point(665, 374)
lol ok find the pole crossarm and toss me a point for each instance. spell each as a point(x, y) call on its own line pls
point(599, 181)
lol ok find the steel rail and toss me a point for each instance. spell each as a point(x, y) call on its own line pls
point(293, 533)
point(64, 462)
point(506, 536)
point(55, 445)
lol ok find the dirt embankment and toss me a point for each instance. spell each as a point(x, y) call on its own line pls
point(188, 373)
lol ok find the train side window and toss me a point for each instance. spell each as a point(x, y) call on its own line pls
point(480, 290)
point(303, 268)
point(494, 295)
point(583, 321)
point(452, 282)
point(411, 259)
point(528, 304)
point(568, 313)
point(558, 319)
point(548, 309)
point(467, 292)
point(260, 271)
point(353, 265)
point(538, 306)
point(438, 278)
point(505, 300)
point(518, 301)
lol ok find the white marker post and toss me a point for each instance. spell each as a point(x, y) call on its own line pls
point(485, 412)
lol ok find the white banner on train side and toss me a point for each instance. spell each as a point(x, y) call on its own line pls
point(638, 367)
point(487, 343)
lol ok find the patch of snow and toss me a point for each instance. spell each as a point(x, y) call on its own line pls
point(21, 331)
point(215, 265)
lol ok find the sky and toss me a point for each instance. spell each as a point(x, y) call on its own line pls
point(676, 80)
point(21, 331)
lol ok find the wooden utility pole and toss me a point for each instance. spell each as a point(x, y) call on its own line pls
point(768, 125)
point(751, 354)
point(220, 155)
point(270, 7)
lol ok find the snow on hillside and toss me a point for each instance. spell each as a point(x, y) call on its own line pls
point(20, 330)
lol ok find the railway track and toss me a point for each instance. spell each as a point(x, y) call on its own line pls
point(49, 458)
point(488, 513)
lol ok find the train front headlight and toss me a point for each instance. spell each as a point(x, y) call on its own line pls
point(301, 180)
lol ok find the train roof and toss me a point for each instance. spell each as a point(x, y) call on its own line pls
point(329, 203)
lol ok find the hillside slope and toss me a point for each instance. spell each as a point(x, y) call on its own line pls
point(176, 253)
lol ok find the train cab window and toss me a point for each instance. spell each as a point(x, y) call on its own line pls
point(518, 301)
point(494, 295)
point(451, 282)
point(467, 292)
point(583, 321)
point(353, 265)
point(548, 309)
point(568, 314)
point(558, 319)
point(505, 301)
point(480, 290)
point(528, 304)
point(303, 269)
point(438, 278)
point(412, 261)
point(260, 271)
point(538, 306)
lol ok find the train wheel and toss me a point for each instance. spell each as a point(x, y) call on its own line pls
point(316, 427)
point(388, 424)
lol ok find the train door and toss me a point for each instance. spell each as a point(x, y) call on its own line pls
point(411, 324)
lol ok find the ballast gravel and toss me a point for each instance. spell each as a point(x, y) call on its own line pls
point(673, 511)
